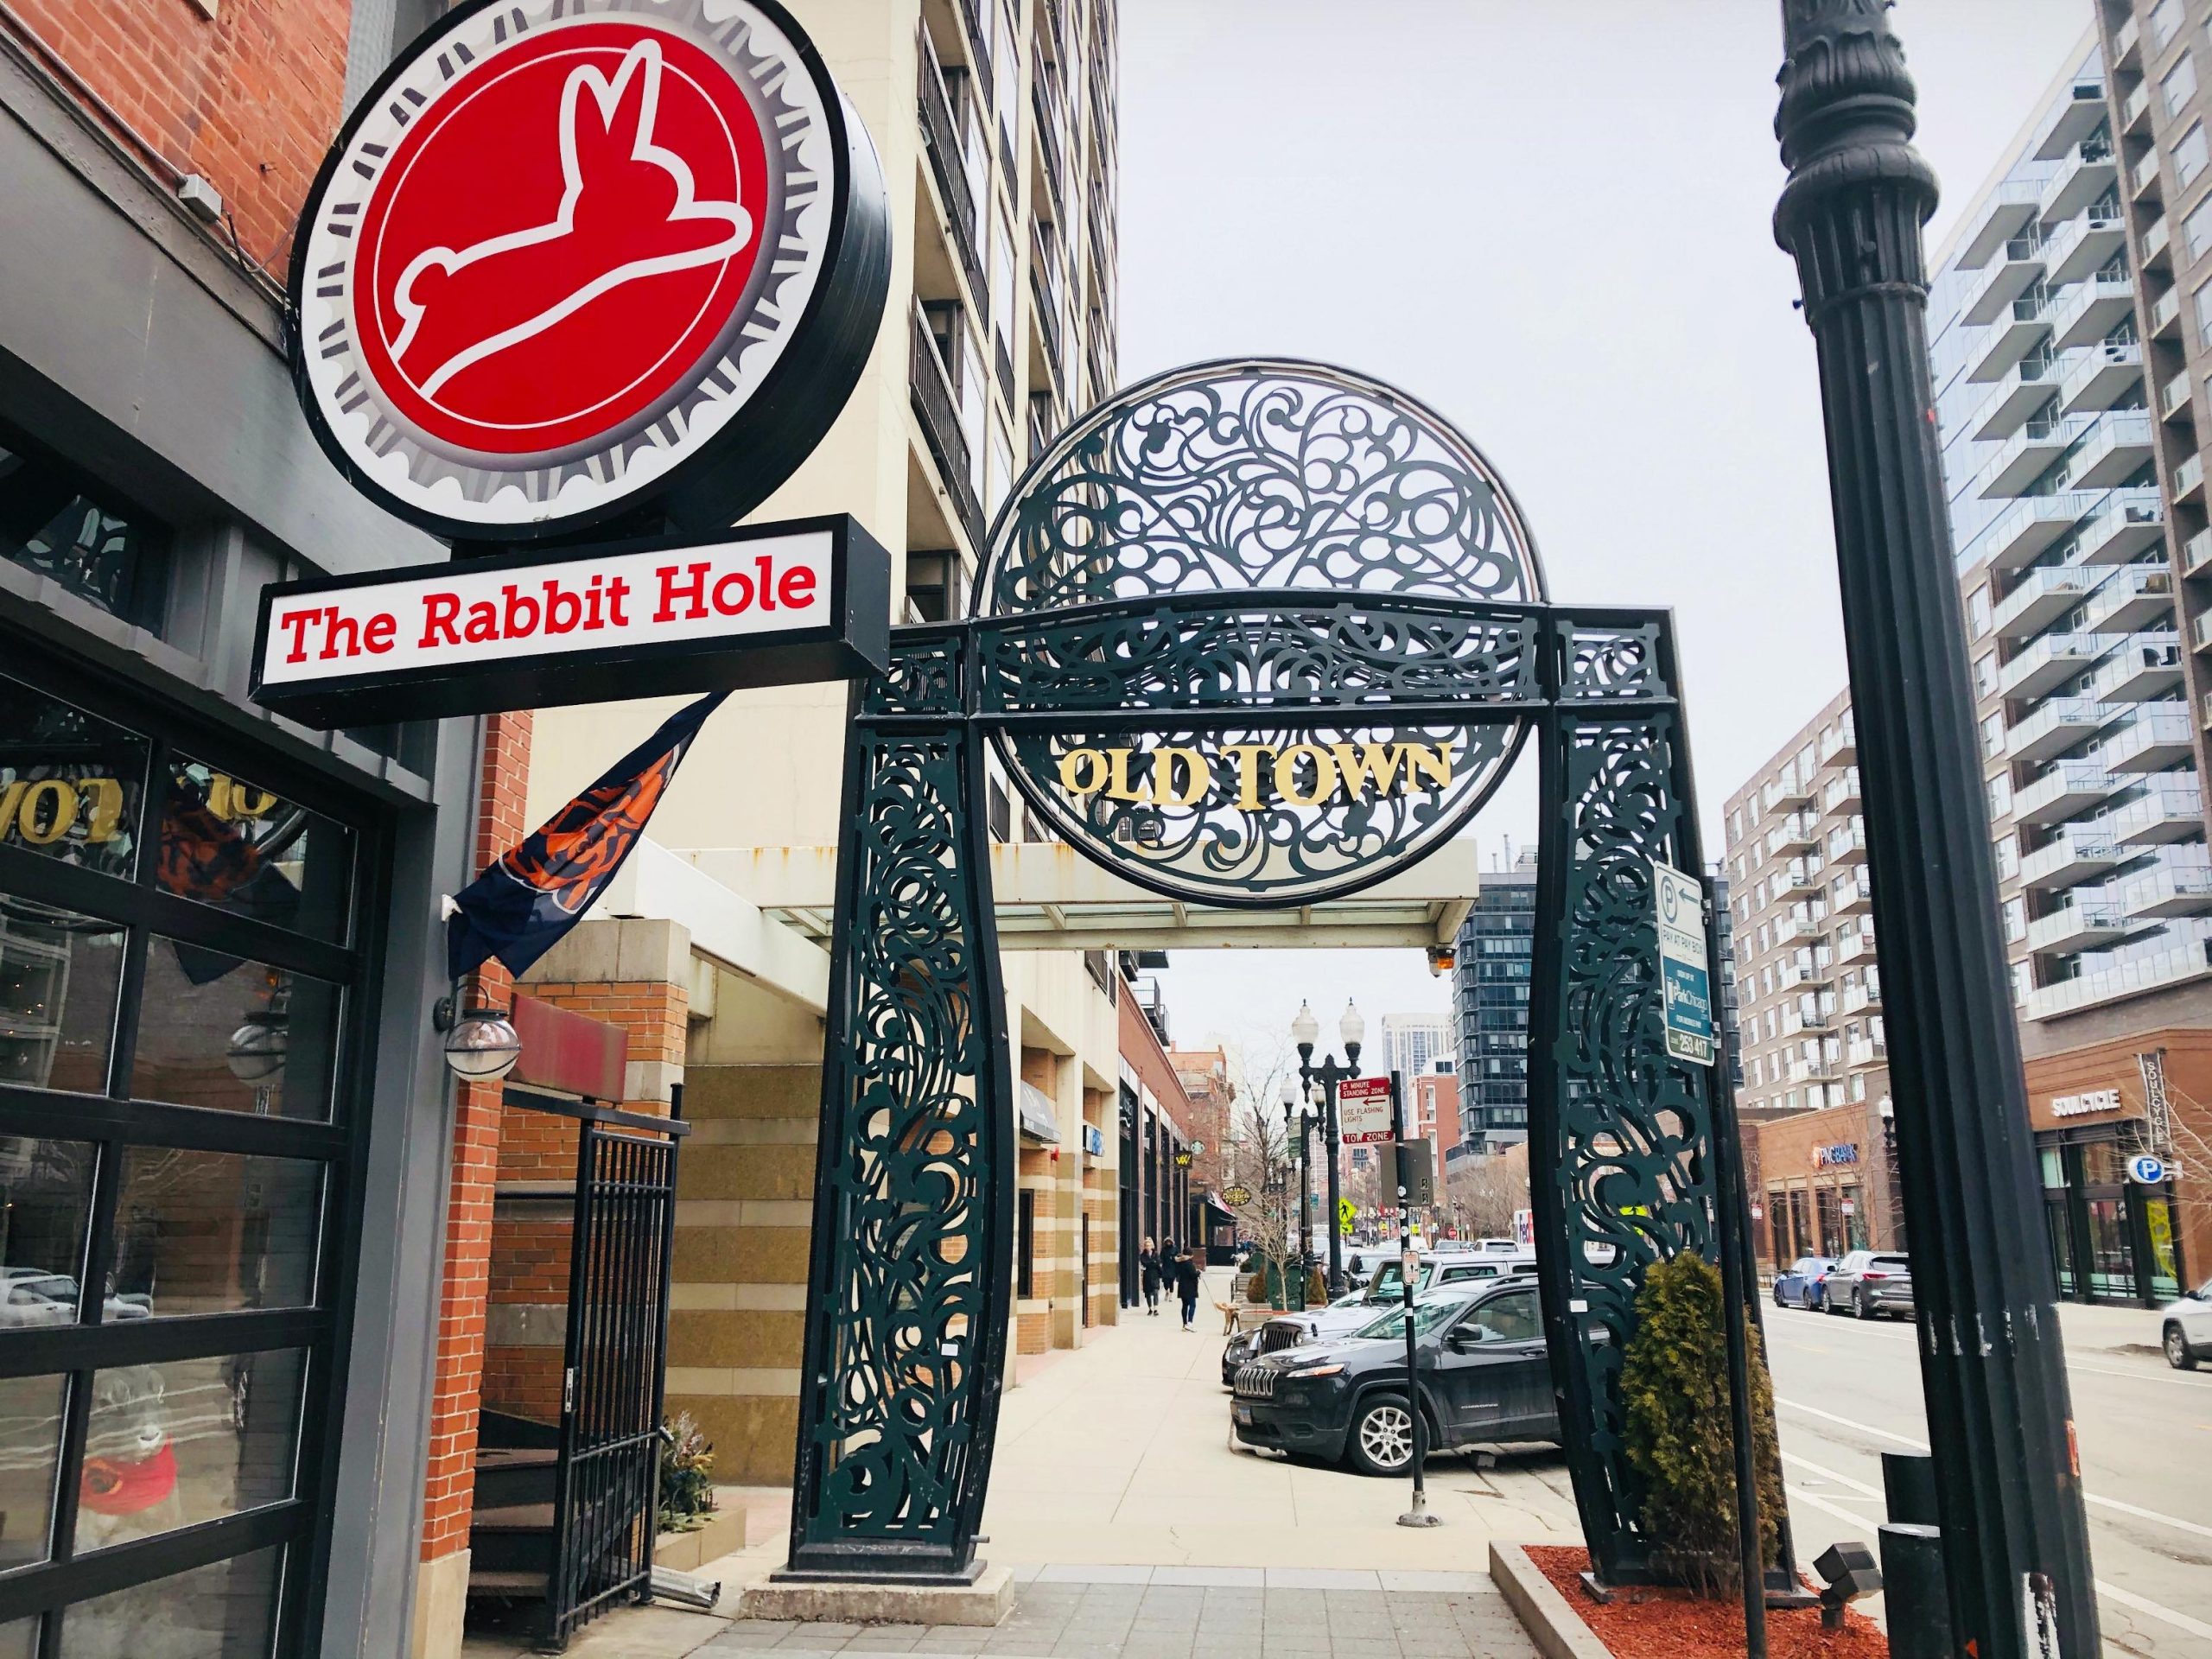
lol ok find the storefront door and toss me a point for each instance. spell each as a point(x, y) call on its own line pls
point(184, 975)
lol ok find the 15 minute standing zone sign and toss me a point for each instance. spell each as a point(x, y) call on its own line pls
point(1685, 974)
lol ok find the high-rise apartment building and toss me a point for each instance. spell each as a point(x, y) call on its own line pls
point(2069, 317)
point(1491, 982)
point(1410, 1041)
point(1808, 995)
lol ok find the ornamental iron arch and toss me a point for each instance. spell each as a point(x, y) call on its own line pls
point(1297, 623)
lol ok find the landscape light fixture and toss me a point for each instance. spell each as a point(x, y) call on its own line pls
point(481, 1042)
point(1851, 1572)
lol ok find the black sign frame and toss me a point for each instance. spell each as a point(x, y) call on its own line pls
point(854, 643)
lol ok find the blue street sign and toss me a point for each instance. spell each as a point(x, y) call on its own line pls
point(2146, 1169)
point(1685, 974)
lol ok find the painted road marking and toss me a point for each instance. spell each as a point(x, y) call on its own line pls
point(2173, 1521)
point(2111, 1593)
point(2146, 1375)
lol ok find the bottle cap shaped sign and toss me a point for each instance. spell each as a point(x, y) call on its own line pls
point(561, 264)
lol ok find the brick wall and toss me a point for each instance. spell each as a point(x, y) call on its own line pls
point(462, 1292)
point(249, 99)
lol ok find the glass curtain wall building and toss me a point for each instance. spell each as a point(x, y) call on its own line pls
point(1497, 946)
point(2044, 393)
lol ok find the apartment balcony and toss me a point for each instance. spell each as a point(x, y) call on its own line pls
point(1805, 976)
point(1796, 832)
point(2200, 632)
point(2129, 598)
point(2067, 791)
point(2077, 119)
point(1840, 797)
point(2023, 389)
point(1855, 948)
point(1804, 1071)
point(1865, 1050)
point(2143, 180)
point(2008, 209)
point(2042, 597)
point(2023, 328)
point(1839, 747)
point(2165, 315)
point(2052, 662)
point(1796, 1021)
point(2185, 890)
point(1851, 898)
point(1796, 930)
point(2175, 401)
point(2188, 479)
point(1788, 792)
point(2168, 811)
point(2127, 45)
point(2091, 309)
point(2079, 852)
point(2158, 245)
point(2016, 270)
point(940, 137)
point(1861, 997)
point(2196, 553)
point(2110, 372)
point(1045, 306)
point(2116, 447)
point(2147, 667)
point(2156, 738)
point(1846, 844)
point(2129, 523)
point(2094, 925)
point(2185, 960)
point(930, 390)
point(2090, 171)
point(2135, 112)
point(1795, 884)
point(2026, 530)
point(2055, 726)
point(2029, 453)
point(2082, 245)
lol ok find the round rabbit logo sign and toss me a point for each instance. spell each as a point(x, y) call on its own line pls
point(561, 253)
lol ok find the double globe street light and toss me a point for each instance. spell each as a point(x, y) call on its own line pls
point(1321, 1083)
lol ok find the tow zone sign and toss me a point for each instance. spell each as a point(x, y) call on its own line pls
point(769, 605)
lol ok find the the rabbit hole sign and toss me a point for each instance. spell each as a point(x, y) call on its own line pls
point(556, 255)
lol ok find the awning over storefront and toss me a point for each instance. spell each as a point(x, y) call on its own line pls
point(1039, 1121)
point(1220, 1210)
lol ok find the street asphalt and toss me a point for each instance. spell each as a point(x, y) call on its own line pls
point(1847, 1392)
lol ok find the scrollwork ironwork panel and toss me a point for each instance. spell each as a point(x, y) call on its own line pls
point(1620, 1132)
point(907, 1318)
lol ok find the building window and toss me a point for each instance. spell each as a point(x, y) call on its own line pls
point(2179, 86)
point(2163, 22)
point(2015, 920)
point(2000, 795)
point(1978, 612)
point(2008, 857)
point(2196, 229)
point(1992, 734)
point(1985, 674)
point(1024, 1248)
point(61, 524)
point(2190, 154)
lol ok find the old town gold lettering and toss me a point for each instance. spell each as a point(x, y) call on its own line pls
point(1256, 776)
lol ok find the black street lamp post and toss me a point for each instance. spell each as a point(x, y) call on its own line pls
point(1306, 1031)
point(2008, 1480)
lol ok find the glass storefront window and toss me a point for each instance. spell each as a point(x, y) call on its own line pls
point(62, 525)
point(216, 1612)
point(47, 1187)
point(211, 1232)
point(60, 975)
point(31, 1410)
point(237, 1036)
point(70, 782)
point(19, 1639)
point(229, 842)
point(187, 1441)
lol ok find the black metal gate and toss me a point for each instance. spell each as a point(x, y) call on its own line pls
point(607, 1482)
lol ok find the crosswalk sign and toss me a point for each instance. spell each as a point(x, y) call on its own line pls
point(1347, 1212)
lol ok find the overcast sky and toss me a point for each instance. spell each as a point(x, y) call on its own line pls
point(1551, 222)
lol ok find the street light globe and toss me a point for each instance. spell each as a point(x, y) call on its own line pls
point(482, 1046)
point(257, 1048)
point(1305, 1030)
point(1353, 1026)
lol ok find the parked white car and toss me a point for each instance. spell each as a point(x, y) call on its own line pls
point(2186, 1329)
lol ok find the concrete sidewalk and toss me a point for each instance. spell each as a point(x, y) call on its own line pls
point(1135, 1530)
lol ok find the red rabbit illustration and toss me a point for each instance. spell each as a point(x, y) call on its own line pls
point(627, 212)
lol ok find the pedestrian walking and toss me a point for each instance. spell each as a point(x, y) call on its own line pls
point(1186, 1285)
point(1148, 1270)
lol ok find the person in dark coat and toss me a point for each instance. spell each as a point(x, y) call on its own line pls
point(1186, 1285)
point(1148, 1270)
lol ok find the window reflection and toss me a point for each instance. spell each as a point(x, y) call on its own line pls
point(30, 1451)
point(59, 976)
point(229, 842)
point(64, 526)
point(70, 782)
point(46, 1189)
point(210, 1232)
point(187, 1441)
point(216, 1612)
point(237, 1036)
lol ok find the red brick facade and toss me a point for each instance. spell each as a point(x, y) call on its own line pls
point(248, 98)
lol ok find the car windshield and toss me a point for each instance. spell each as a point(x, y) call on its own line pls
point(1387, 1285)
point(1427, 1315)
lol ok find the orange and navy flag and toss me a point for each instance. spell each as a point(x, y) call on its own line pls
point(518, 908)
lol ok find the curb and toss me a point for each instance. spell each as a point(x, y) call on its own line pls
point(1552, 1623)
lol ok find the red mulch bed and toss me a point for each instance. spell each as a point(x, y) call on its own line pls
point(1661, 1624)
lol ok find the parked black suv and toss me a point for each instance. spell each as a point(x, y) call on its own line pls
point(1484, 1378)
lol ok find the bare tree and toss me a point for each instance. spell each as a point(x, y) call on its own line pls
point(1484, 1192)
